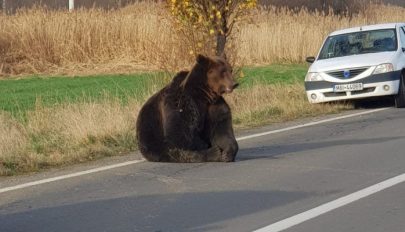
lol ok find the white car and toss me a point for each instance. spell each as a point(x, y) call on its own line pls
point(359, 62)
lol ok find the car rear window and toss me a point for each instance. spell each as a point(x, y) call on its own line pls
point(359, 43)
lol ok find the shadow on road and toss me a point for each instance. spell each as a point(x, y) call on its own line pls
point(373, 103)
point(198, 211)
point(274, 151)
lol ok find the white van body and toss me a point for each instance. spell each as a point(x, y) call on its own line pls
point(359, 62)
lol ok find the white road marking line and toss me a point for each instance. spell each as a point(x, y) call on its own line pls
point(29, 184)
point(309, 124)
point(340, 202)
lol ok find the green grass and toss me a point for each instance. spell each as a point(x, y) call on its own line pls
point(19, 95)
point(274, 74)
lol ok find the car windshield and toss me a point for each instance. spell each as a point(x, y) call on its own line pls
point(359, 43)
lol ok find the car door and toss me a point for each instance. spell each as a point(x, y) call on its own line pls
point(401, 60)
point(402, 36)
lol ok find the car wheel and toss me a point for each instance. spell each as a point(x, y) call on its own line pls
point(400, 97)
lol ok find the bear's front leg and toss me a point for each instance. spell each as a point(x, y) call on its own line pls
point(221, 130)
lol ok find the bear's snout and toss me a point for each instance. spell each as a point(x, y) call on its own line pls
point(231, 88)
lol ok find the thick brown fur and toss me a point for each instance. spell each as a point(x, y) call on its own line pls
point(188, 120)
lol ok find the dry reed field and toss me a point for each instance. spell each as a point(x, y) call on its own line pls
point(129, 39)
point(142, 37)
point(282, 36)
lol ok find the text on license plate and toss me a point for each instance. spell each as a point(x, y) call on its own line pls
point(348, 87)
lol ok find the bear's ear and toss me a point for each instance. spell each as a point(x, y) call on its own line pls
point(203, 60)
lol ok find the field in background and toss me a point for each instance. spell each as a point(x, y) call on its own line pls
point(141, 37)
point(52, 125)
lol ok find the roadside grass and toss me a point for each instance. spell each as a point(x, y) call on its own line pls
point(66, 134)
point(265, 104)
point(59, 121)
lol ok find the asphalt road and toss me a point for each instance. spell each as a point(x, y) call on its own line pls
point(275, 177)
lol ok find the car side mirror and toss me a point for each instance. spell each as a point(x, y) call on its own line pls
point(310, 59)
point(403, 49)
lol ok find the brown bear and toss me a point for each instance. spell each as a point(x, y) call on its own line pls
point(188, 120)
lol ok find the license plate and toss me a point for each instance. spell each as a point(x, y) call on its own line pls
point(348, 87)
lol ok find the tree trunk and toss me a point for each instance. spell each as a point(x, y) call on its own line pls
point(4, 6)
point(221, 37)
point(221, 41)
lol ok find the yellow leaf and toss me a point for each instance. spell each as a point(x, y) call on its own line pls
point(241, 74)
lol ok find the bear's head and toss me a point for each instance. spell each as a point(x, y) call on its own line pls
point(212, 73)
point(220, 78)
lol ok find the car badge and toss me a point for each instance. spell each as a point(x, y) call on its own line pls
point(346, 73)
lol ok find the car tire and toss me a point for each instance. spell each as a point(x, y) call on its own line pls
point(400, 97)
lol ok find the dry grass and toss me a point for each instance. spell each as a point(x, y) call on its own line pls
point(141, 37)
point(13, 138)
point(275, 103)
point(72, 133)
point(66, 134)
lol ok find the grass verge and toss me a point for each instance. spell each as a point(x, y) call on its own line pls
point(60, 121)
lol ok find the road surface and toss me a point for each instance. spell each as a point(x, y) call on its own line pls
point(276, 176)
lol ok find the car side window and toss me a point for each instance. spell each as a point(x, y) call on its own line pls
point(403, 36)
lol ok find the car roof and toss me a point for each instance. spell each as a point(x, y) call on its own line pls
point(367, 28)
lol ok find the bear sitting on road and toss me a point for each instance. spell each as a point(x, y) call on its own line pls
point(188, 120)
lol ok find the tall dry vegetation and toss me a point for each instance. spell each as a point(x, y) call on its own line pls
point(142, 37)
point(279, 35)
point(41, 41)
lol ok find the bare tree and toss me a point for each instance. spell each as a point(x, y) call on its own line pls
point(214, 17)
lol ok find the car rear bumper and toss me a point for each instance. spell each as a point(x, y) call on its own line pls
point(375, 85)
